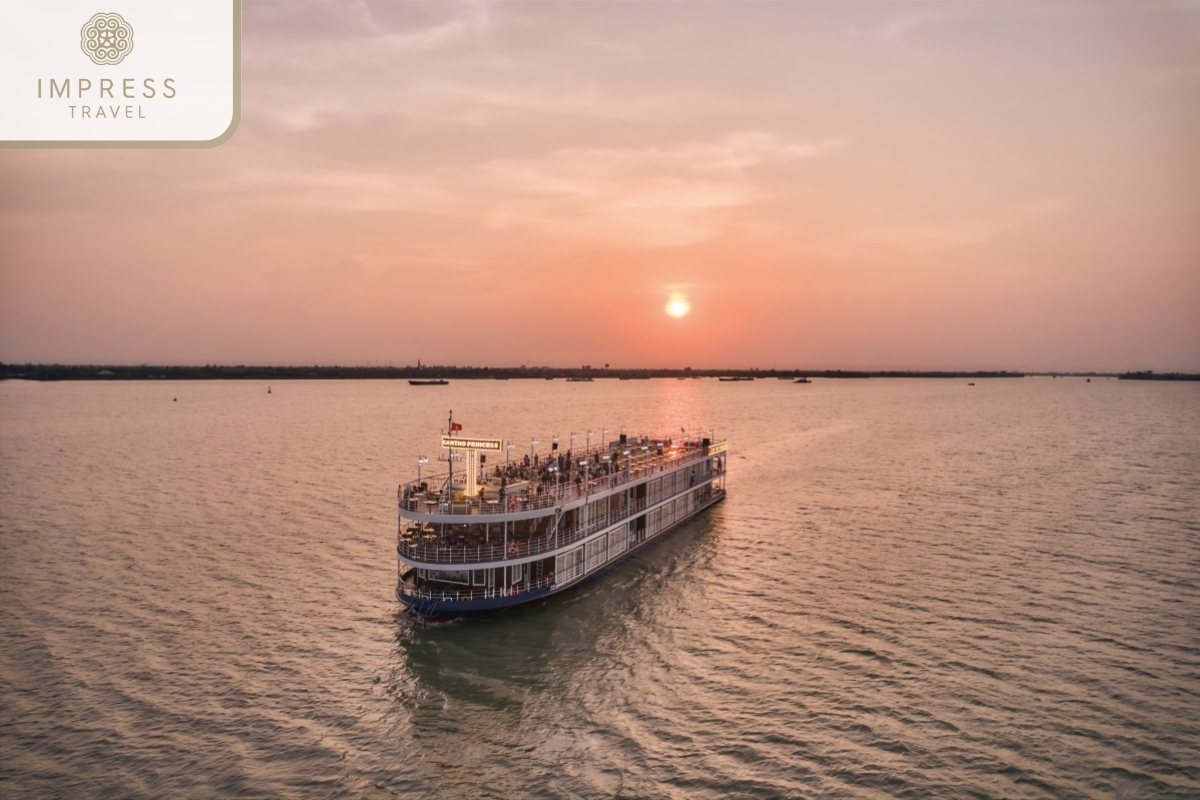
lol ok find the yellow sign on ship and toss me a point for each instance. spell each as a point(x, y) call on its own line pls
point(472, 444)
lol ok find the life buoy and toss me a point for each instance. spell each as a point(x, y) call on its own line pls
point(512, 548)
point(513, 504)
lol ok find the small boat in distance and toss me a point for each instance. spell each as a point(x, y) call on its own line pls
point(430, 382)
point(579, 380)
point(803, 380)
point(736, 378)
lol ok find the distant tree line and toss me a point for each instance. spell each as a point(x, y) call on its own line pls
point(1151, 375)
point(100, 372)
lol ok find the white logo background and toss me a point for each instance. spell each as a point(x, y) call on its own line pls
point(189, 41)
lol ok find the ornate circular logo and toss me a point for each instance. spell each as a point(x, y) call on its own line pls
point(106, 38)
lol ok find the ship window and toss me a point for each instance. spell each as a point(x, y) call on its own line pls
point(618, 539)
point(477, 577)
point(451, 576)
point(568, 566)
point(597, 552)
point(516, 573)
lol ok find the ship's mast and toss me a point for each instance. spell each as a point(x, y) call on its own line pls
point(450, 457)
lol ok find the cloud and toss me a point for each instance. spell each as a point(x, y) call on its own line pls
point(655, 195)
point(1044, 207)
point(649, 196)
point(925, 239)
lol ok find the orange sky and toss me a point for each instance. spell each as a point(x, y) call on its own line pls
point(889, 185)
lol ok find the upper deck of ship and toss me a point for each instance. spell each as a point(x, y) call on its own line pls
point(537, 485)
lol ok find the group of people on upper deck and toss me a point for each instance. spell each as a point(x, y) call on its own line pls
point(569, 470)
point(543, 470)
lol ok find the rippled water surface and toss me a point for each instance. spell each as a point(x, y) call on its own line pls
point(914, 588)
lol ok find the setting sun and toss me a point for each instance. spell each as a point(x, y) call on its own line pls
point(678, 306)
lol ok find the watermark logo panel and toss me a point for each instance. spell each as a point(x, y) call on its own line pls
point(121, 73)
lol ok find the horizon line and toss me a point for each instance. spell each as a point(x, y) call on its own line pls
point(61, 371)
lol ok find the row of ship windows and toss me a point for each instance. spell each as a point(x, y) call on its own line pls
point(656, 490)
point(588, 556)
point(677, 481)
point(472, 577)
point(602, 549)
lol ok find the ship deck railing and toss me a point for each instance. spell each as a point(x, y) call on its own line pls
point(441, 552)
point(537, 494)
point(446, 594)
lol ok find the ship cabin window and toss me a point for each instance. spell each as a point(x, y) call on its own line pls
point(618, 540)
point(569, 565)
point(477, 577)
point(451, 576)
point(516, 573)
point(597, 552)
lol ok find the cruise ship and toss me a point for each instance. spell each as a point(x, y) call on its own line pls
point(492, 532)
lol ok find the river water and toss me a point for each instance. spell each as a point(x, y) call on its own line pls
point(913, 588)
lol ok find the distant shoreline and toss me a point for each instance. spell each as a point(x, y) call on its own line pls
point(100, 372)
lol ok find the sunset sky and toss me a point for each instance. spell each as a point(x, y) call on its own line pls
point(858, 185)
